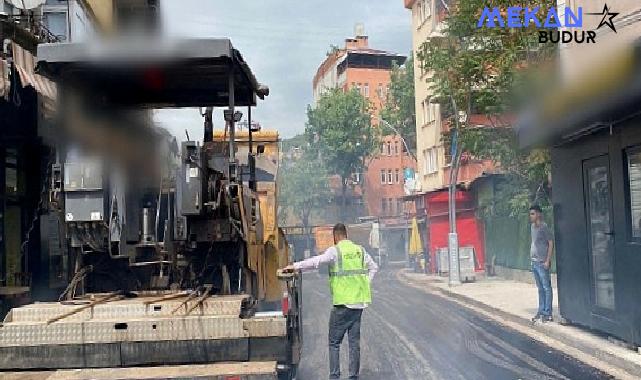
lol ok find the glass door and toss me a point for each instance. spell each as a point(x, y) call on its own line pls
point(598, 203)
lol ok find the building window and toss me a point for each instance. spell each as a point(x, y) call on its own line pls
point(424, 11)
point(382, 148)
point(358, 87)
point(56, 22)
point(427, 111)
point(383, 181)
point(389, 176)
point(397, 176)
point(380, 91)
point(634, 191)
point(399, 206)
point(432, 110)
point(389, 148)
point(425, 162)
point(430, 161)
point(435, 160)
point(383, 205)
point(366, 90)
point(396, 148)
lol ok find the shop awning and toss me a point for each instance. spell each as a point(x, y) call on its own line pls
point(25, 64)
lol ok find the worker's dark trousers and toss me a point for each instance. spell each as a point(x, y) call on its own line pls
point(342, 320)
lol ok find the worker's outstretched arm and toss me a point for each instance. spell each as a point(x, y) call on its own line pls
point(326, 258)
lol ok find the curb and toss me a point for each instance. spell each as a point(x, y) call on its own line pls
point(595, 352)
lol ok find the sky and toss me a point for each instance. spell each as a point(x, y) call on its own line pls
point(284, 42)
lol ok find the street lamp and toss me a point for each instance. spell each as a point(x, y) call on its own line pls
point(388, 125)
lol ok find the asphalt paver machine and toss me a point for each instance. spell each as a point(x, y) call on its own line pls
point(166, 255)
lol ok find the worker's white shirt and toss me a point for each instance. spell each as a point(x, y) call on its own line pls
point(329, 257)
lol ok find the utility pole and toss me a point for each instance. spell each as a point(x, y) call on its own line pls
point(455, 270)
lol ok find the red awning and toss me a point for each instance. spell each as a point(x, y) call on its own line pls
point(443, 196)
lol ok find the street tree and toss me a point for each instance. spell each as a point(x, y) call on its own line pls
point(482, 72)
point(399, 109)
point(340, 134)
point(303, 188)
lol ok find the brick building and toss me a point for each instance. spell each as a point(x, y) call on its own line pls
point(356, 65)
point(385, 179)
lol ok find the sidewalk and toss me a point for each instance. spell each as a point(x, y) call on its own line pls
point(514, 303)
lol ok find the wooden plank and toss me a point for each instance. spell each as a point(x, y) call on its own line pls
point(244, 370)
point(14, 290)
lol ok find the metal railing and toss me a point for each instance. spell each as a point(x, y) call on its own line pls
point(35, 25)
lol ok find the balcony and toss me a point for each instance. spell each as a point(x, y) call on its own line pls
point(26, 30)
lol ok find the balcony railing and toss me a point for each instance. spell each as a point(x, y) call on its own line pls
point(35, 26)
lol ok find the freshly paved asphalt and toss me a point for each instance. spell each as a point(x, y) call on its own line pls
point(409, 334)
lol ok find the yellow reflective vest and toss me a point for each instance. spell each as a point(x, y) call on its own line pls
point(348, 275)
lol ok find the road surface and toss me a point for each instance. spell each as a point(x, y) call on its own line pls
point(409, 334)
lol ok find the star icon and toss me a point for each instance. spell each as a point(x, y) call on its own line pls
point(607, 18)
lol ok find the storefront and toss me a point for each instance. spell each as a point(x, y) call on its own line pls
point(469, 228)
point(596, 181)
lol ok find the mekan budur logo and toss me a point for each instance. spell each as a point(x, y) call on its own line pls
point(520, 17)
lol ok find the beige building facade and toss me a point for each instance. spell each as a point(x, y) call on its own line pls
point(430, 151)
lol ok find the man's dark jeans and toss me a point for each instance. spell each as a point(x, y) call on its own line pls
point(544, 284)
point(344, 320)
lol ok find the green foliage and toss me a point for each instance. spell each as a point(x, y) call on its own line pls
point(483, 71)
point(339, 130)
point(303, 187)
point(400, 109)
point(296, 141)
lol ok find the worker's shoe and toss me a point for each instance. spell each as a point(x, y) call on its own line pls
point(537, 317)
point(547, 318)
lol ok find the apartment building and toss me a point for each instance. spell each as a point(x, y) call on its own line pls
point(433, 173)
point(357, 65)
point(429, 146)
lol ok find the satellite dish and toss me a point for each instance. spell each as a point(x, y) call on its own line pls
point(27, 4)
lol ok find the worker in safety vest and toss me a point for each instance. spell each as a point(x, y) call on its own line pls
point(350, 271)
